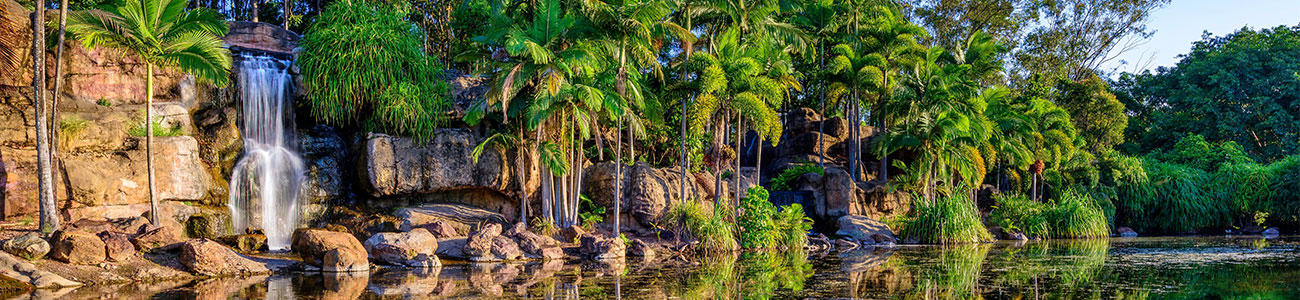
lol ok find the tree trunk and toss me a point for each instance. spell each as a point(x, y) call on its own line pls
point(45, 183)
point(735, 176)
point(288, 12)
point(884, 156)
point(54, 128)
point(681, 191)
point(255, 4)
point(520, 151)
point(148, 143)
point(821, 126)
point(758, 163)
point(618, 174)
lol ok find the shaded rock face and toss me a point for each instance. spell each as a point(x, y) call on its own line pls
point(414, 249)
point(28, 246)
point(398, 168)
point(210, 258)
point(325, 154)
point(245, 243)
point(78, 247)
point(261, 36)
point(647, 192)
point(330, 251)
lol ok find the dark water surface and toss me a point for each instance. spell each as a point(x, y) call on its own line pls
point(1119, 268)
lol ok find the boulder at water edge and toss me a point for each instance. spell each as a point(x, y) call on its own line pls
point(331, 251)
point(536, 246)
point(600, 247)
point(864, 230)
point(641, 248)
point(414, 249)
point(28, 246)
point(1126, 232)
point(479, 242)
point(210, 258)
point(78, 247)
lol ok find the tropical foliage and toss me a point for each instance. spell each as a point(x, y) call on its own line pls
point(341, 52)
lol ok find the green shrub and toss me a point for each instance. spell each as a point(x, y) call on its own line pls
point(1019, 213)
point(1284, 206)
point(946, 220)
point(792, 227)
point(755, 221)
point(786, 181)
point(590, 213)
point(1076, 215)
point(363, 63)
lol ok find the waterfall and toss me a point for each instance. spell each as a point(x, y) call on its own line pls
point(264, 184)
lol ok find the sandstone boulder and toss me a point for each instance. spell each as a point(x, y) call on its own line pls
point(647, 192)
point(459, 217)
point(155, 237)
point(30, 246)
point(536, 246)
point(78, 247)
point(641, 248)
point(503, 248)
point(414, 249)
point(1271, 231)
point(571, 234)
point(117, 246)
point(210, 258)
point(245, 243)
point(1126, 232)
point(600, 247)
point(479, 242)
point(863, 229)
point(441, 229)
point(331, 251)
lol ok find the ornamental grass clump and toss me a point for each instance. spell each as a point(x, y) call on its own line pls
point(946, 220)
point(1076, 215)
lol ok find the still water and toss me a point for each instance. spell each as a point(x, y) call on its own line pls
point(1119, 268)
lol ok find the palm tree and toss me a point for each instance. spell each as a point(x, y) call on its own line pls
point(162, 34)
point(538, 53)
point(53, 139)
point(820, 19)
point(739, 82)
point(629, 31)
point(45, 183)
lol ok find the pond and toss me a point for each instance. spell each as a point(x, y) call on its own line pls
point(1119, 268)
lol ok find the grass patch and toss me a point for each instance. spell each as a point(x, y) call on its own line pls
point(1076, 215)
point(709, 226)
point(70, 129)
point(946, 220)
point(138, 129)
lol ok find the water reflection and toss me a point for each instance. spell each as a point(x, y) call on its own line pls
point(1152, 268)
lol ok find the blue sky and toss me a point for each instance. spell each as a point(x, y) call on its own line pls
point(1181, 22)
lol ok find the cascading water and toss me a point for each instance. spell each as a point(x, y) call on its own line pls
point(264, 184)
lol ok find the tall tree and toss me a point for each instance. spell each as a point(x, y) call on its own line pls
point(162, 34)
point(45, 183)
point(1238, 87)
